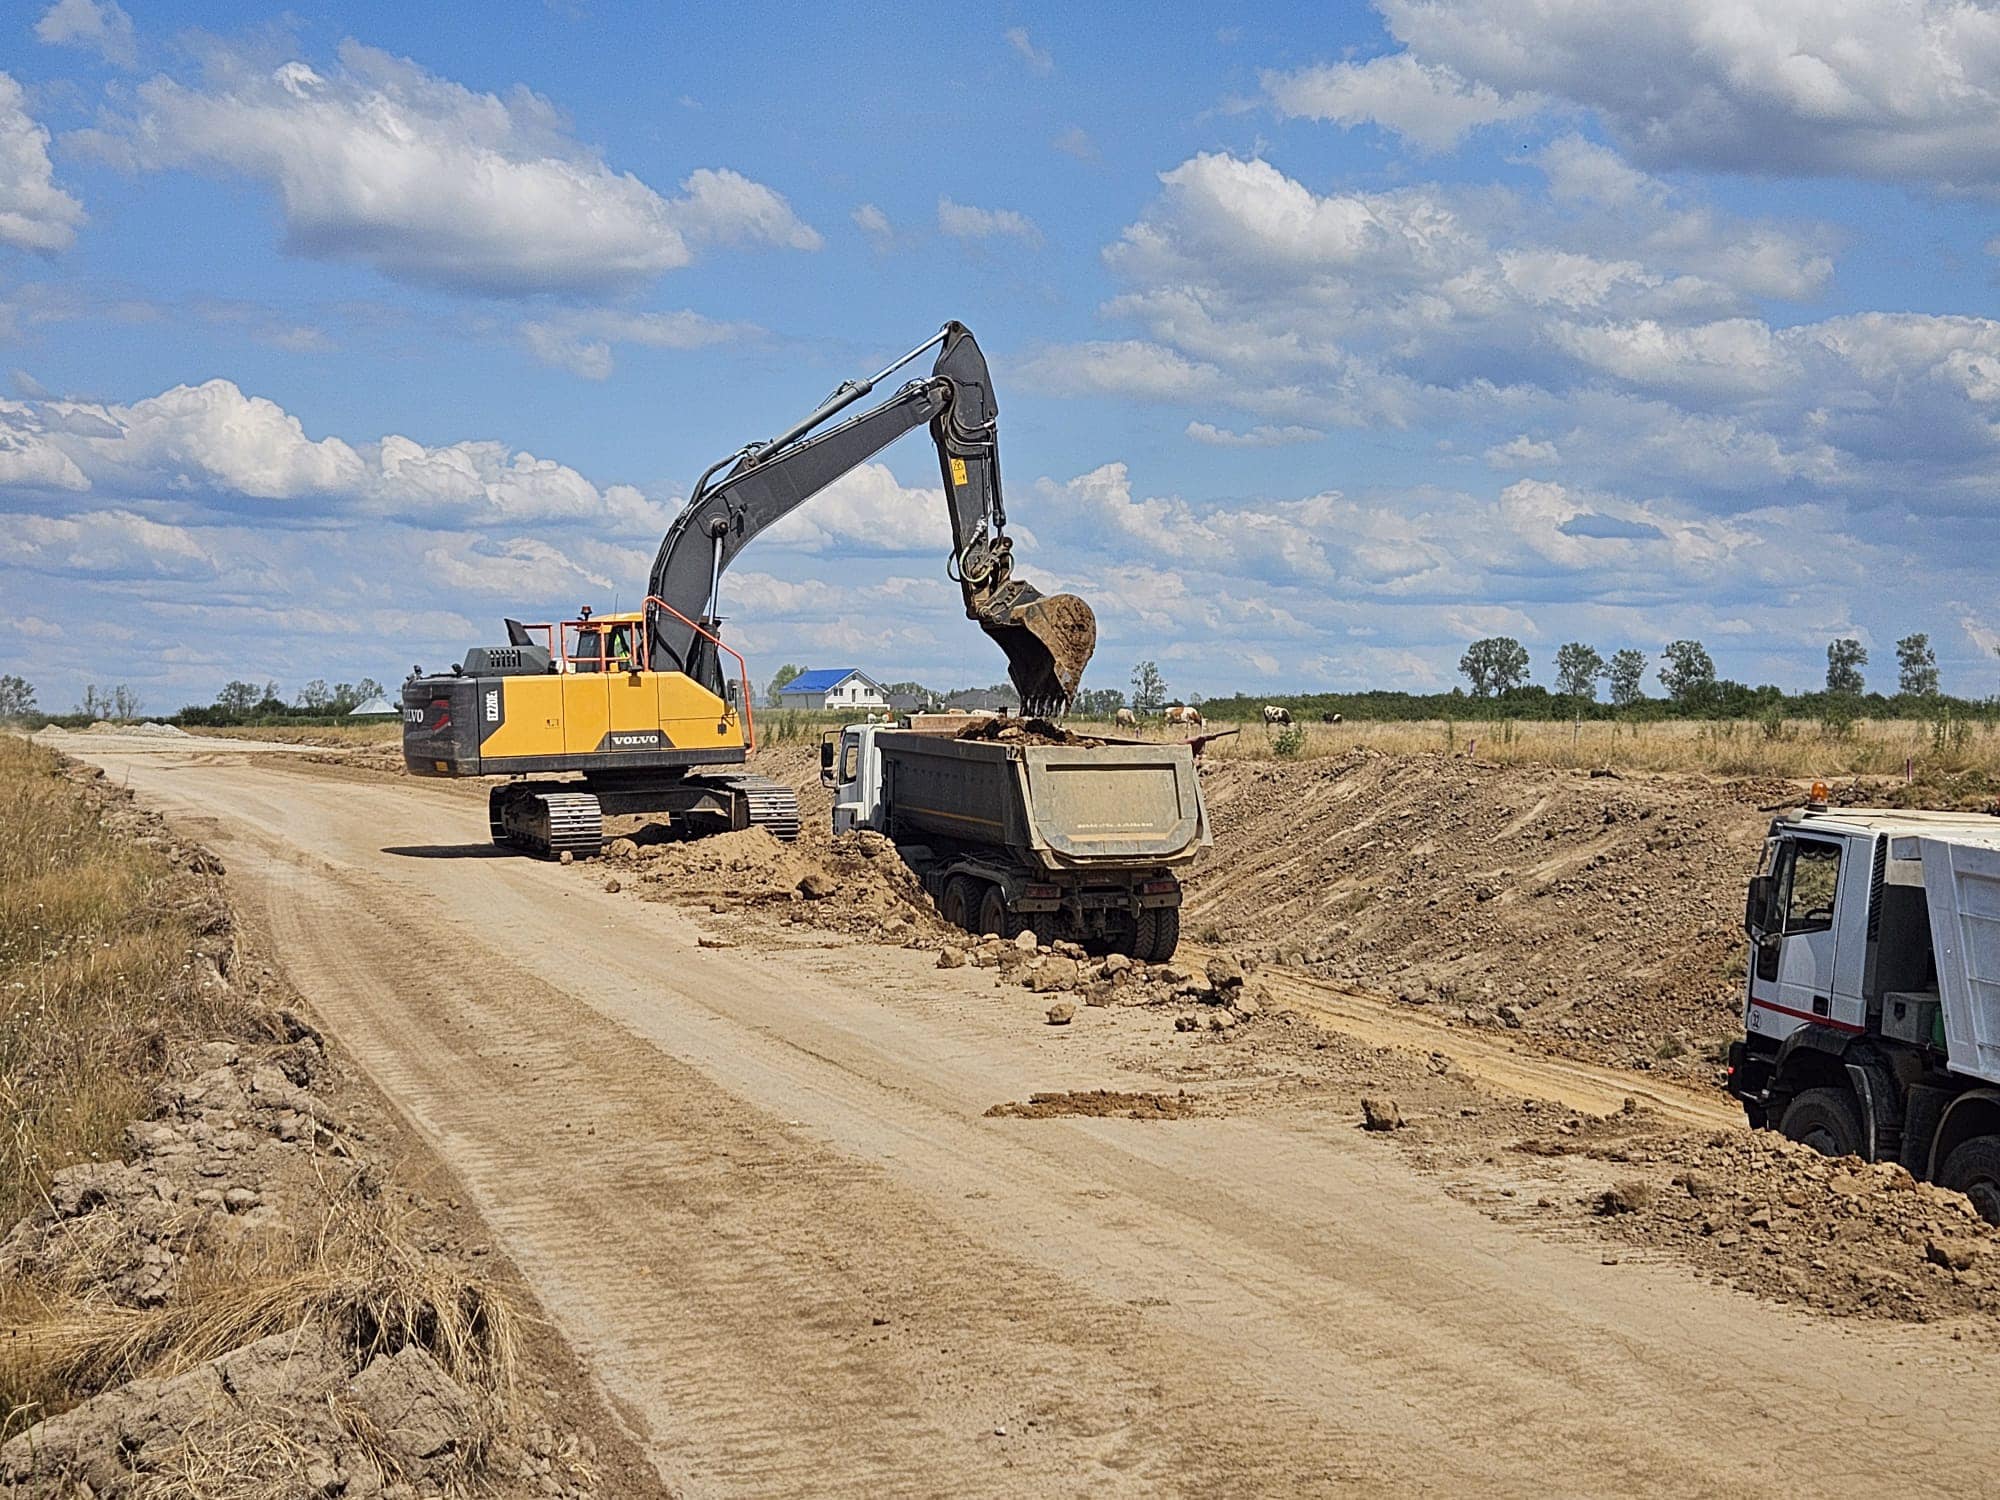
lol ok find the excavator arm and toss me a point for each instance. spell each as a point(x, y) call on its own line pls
point(1047, 639)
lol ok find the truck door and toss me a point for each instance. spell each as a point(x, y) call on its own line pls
point(850, 791)
point(1791, 979)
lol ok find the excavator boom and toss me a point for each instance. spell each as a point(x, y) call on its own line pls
point(1047, 639)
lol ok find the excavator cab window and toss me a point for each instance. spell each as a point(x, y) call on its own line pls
point(590, 647)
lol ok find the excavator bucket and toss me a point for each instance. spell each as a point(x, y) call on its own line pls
point(1049, 640)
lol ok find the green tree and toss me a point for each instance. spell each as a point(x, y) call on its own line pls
point(1689, 673)
point(236, 697)
point(17, 697)
point(1845, 658)
point(314, 697)
point(1577, 669)
point(1149, 689)
point(1916, 666)
point(1628, 677)
point(1098, 703)
point(1498, 664)
point(779, 678)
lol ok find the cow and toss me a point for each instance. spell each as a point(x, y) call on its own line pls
point(1181, 713)
point(1273, 714)
point(1329, 718)
point(1125, 719)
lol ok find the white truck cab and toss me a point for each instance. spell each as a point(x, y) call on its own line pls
point(1871, 1011)
point(848, 763)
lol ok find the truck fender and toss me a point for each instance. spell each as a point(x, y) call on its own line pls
point(1816, 1039)
point(1974, 1112)
point(1881, 1110)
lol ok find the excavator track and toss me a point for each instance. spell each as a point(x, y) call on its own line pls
point(773, 806)
point(546, 823)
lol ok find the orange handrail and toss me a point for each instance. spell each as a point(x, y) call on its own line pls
point(742, 668)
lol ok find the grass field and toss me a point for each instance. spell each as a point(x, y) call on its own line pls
point(1725, 747)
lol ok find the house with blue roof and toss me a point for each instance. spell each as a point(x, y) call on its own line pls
point(835, 688)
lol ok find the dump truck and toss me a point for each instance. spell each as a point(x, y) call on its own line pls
point(1871, 1010)
point(1011, 833)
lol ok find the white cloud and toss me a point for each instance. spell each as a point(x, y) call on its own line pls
point(433, 183)
point(581, 341)
point(526, 570)
point(874, 224)
point(108, 542)
point(1431, 105)
point(1262, 436)
point(1037, 58)
point(962, 221)
point(1521, 452)
point(867, 510)
point(1075, 141)
point(100, 26)
point(1124, 367)
point(35, 214)
point(1904, 92)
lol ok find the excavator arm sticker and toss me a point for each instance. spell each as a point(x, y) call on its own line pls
point(958, 474)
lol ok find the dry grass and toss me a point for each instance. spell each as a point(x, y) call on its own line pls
point(95, 974)
point(354, 1273)
point(1729, 747)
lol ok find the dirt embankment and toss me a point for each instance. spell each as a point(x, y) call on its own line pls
point(1597, 914)
point(252, 1296)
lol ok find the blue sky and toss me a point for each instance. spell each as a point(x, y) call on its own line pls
point(1326, 339)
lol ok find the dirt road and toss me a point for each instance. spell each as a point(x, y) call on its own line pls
point(756, 1190)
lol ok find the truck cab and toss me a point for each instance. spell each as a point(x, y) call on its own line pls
point(848, 764)
point(1871, 1005)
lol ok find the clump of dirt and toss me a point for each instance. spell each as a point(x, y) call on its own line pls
point(1024, 732)
point(1597, 913)
point(1099, 1104)
point(854, 883)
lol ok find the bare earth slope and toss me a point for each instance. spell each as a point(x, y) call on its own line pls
point(758, 1192)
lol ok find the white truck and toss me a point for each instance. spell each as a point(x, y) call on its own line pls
point(1871, 1013)
point(1076, 841)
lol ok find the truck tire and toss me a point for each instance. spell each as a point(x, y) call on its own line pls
point(960, 904)
point(994, 918)
point(1973, 1168)
point(1157, 933)
point(1824, 1119)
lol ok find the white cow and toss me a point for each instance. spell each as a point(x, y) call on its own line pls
point(1125, 719)
point(1273, 714)
point(1181, 713)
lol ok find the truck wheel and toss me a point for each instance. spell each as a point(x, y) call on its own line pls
point(1973, 1169)
point(1157, 934)
point(994, 918)
point(960, 905)
point(1824, 1119)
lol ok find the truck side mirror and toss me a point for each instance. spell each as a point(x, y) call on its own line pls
point(1757, 906)
point(826, 762)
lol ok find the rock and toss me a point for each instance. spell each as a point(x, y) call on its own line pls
point(1381, 1114)
point(1510, 1016)
point(612, 887)
point(1099, 992)
point(1247, 1006)
point(1053, 974)
point(1952, 1252)
point(1224, 972)
point(1026, 940)
point(706, 941)
point(621, 849)
point(1062, 1013)
point(240, 1200)
point(1187, 1021)
point(1116, 964)
point(567, 857)
point(1759, 1219)
point(1172, 975)
point(1220, 1020)
point(816, 886)
point(950, 957)
point(1626, 1197)
point(419, 1411)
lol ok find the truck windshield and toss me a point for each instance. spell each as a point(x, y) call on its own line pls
point(1813, 881)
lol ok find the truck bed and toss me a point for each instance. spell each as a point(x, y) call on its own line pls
point(1065, 806)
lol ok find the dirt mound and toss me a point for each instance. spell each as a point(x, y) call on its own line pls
point(149, 728)
point(855, 882)
point(1098, 1104)
point(1598, 912)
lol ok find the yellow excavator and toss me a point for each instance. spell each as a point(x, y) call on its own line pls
point(619, 714)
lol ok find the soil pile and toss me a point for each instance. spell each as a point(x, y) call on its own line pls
point(1599, 913)
point(1777, 1218)
point(855, 882)
point(1098, 1104)
point(1024, 732)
